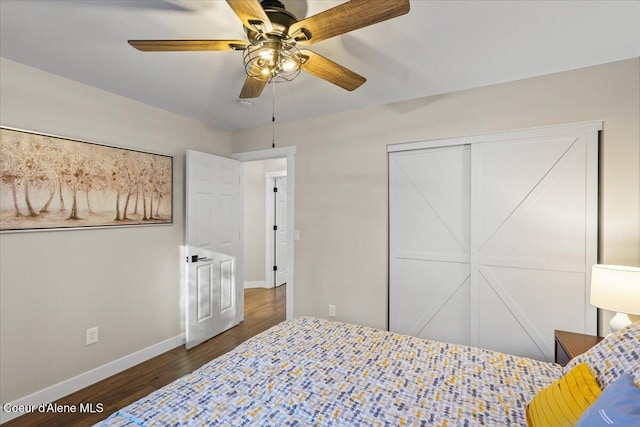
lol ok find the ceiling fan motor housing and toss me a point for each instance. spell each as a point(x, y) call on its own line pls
point(281, 20)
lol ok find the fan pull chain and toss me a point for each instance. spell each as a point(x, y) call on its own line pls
point(273, 117)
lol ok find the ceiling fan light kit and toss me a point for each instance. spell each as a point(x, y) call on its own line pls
point(272, 60)
point(273, 32)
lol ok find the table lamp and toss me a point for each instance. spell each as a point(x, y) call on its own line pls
point(616, 288)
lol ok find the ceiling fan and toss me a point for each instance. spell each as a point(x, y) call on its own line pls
point(274, 33)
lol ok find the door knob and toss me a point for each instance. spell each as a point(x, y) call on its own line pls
point(196, 258)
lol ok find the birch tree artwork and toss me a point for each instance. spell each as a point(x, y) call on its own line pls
point(49, 182)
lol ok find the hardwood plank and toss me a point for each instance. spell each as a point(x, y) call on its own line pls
point(263, 308)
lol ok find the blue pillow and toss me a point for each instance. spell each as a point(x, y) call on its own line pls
point(618, 405)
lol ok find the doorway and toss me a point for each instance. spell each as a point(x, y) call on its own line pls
point(286, 154)
point(264, 222)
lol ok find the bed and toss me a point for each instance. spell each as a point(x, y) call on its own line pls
point(309, 371)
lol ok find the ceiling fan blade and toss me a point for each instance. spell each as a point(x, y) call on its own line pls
point(346, 17)
point(187, 45)
point(252, 87)
point(252, 15)
point(328, 70)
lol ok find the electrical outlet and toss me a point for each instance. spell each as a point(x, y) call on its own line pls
point(332, 310)
point(92, 335)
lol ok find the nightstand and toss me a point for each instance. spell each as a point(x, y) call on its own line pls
point(571, 344)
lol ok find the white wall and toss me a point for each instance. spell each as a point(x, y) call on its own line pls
point(255, 216)
point(341, 174)
point(54, 285)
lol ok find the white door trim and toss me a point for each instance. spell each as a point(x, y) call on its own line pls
point(269, 182)
point(555, 130)
point(290, 154)
point(269, 153)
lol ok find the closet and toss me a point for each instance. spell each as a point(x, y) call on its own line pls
point(492, 237)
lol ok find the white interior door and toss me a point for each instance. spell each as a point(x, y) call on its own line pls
point(213, 220)
point(277, 238)
point(281, 232)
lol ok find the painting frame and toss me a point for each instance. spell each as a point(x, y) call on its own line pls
point(51, 183)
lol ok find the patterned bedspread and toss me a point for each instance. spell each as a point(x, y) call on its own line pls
point(309, 371)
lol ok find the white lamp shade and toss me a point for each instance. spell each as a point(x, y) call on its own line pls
point(616, 288)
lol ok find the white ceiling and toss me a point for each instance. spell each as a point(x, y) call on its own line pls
point(438, 47)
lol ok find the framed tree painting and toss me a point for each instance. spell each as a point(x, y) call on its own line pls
point(49, 182)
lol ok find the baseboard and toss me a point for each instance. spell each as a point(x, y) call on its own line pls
point(88, 378)
point(258, 284)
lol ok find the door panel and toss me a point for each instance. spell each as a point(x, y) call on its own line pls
point(204, 286)
point(535, 301)
point(227, 285)
point(510, 171)
point(225, 216)
point(213, 234)
point(202, 225)
point(548, 222)
point(432, 191)
point(432, 300)
point(507, 333)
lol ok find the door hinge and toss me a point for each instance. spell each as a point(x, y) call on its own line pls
point(275, 268)
point(275, 189)
point(275, 228)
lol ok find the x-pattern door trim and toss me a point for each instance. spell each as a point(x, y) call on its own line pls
point(517, 312)
point(545, 182)
point(436, 306)
point(462, 242)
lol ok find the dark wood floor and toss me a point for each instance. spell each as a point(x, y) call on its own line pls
point(263, 309)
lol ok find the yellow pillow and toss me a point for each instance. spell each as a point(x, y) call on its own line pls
point(563, 402)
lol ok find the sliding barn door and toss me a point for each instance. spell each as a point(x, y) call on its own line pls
point(429, 244)
point(491, 242)
point(532, 237)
